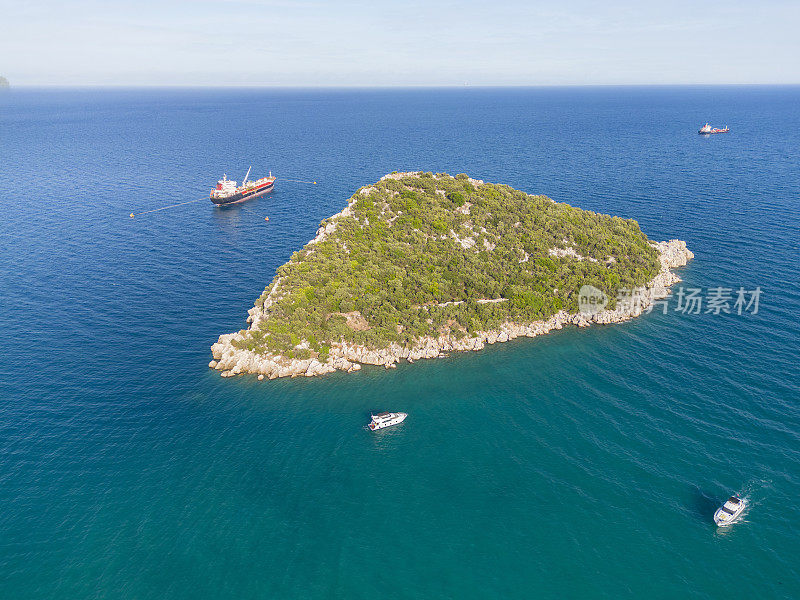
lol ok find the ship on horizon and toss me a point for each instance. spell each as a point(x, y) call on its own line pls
point(227, 192)
point(706, 129)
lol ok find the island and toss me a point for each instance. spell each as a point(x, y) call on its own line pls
point(418, 265)
point(3, 83)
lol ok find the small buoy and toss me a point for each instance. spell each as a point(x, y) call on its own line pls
point(131, 215)
point(266, 218)
point(315, 183)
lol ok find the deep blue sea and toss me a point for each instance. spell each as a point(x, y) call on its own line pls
point(582, 464)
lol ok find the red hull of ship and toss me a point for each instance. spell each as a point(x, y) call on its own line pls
point(242, 196)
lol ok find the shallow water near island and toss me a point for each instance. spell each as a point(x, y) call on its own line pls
point(584, 463)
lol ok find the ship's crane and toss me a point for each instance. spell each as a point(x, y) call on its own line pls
point(248, 173)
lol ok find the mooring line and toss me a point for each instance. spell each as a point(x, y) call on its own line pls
point(144, 212)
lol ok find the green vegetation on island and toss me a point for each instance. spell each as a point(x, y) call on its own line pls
point(419, 255)
point(3, 82)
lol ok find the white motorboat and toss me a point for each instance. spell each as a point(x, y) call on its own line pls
point(386, 419)
point(729, 512)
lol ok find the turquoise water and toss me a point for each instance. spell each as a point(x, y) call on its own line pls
point(585, 463)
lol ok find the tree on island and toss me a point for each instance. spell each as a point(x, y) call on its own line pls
point(3, 82)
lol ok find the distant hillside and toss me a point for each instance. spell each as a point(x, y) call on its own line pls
point(3, 82)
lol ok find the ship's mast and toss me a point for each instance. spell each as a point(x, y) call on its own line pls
point(248, 173)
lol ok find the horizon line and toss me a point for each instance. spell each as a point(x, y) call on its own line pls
point(384, 86)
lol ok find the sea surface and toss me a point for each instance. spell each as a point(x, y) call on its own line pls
point(582, 464)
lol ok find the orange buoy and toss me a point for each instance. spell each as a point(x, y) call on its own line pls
point(266, 218)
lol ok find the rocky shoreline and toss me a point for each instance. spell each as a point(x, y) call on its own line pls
point(230, 360)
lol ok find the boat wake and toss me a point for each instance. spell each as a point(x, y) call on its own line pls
point(755, 492)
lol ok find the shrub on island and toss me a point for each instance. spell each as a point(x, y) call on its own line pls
point(421, 255)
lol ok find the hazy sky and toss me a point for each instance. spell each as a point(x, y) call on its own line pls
point(363, 42)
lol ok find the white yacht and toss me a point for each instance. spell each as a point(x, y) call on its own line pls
point(386, 419)
point(729, 512)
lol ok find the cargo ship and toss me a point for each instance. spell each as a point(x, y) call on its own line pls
point(227, 192)
point(707, 129)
